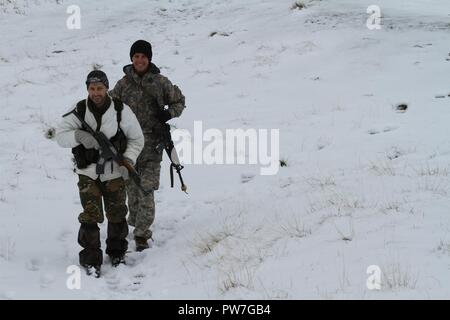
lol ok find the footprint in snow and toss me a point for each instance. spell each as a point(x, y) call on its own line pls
point(46, 280)
point(112, 281)
point(390, 128)
point(65, 235)
point(135, 258)
point(136, 282)
point(247, 177)
point(374, 131)
point(34, 264)
point(8, 295)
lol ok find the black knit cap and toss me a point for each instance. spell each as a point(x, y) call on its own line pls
point(97, 76)
point(141, 46)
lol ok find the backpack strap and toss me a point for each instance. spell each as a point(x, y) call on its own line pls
point(81, 110)
point(118, 106)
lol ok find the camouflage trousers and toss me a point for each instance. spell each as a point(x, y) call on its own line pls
point(142, 207)
point(92, 195)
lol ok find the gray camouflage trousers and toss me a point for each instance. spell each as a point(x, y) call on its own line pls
point(142, 207)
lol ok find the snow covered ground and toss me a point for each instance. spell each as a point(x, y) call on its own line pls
point(365, 184)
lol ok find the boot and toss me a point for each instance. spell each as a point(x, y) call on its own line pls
point(141, 244)
point(92, 270)
point(116, 260)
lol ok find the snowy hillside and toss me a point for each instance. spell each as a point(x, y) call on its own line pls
point(365, 184)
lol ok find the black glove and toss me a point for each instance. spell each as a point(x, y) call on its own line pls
point(164, 116)
point(158, 128)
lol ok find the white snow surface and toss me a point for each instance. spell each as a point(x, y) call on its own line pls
point(365, 184)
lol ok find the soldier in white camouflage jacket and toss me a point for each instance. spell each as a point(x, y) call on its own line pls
point(119, 124)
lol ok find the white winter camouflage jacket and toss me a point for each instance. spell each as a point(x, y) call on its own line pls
point(65, 136)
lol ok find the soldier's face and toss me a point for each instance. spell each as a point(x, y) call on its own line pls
point(97, 93)
point(140, 63)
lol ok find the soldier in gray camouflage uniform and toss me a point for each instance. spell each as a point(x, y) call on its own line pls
point(147, 92)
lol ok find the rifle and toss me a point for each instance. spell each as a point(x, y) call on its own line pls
point(166, 143)
point(108, 151)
